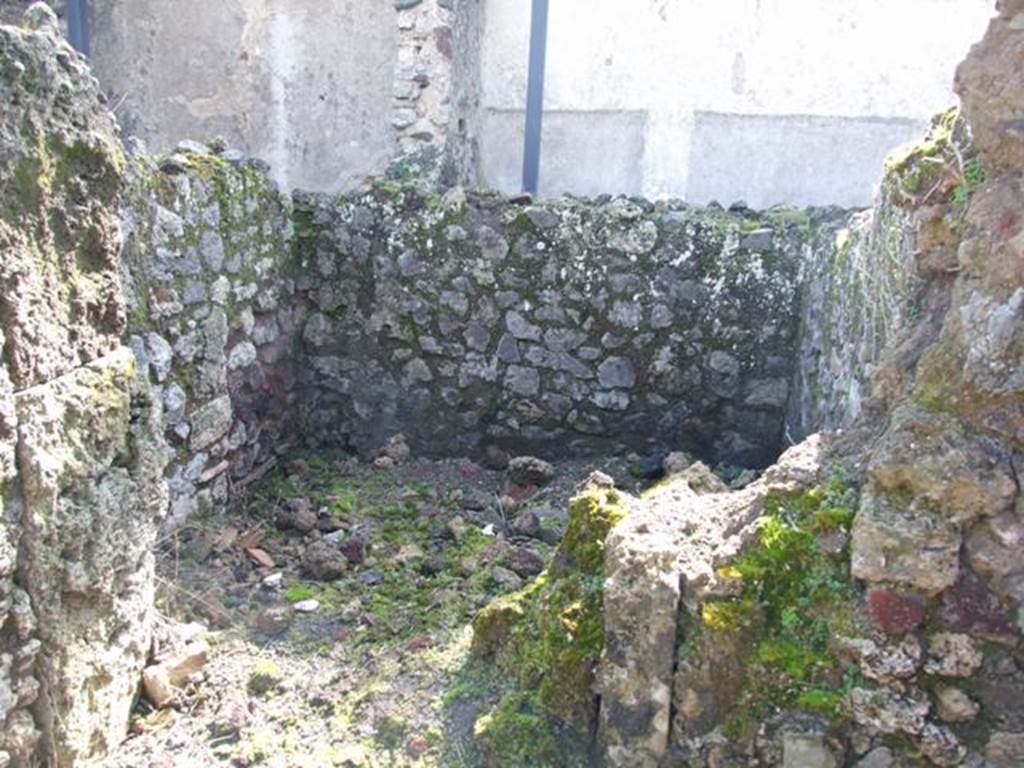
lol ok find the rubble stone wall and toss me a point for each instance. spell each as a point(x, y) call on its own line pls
point(913, 343)
point(569, 327)
point(169, 327)
point(437, 85)
point(211, 316)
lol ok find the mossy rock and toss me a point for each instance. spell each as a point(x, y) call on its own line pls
point(939, 169)
point(769, 648)
point(516, 733)
point(548, 637)
point(264, 677)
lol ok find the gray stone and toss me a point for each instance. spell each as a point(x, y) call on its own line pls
point(242, 355)
point(542, 218)
point(626, 314)
point(455, 301)
point(210, 423)
point(416, 370)
point(493, 247)
point(758, 240)
point(563, 339)
point(569, 364)
point(523, 381)
point(212, 249)
point(194, 293)
point(409, 264)
point(769, 393)
point(521, 328)
point(319, 330)
point(160, 355)
point(478, 338)
point(611, 401)
point(725, 373)
point(616, 372)
point(508, 349)
point(265, 331)
point(215, 335)
point(661, 317)
point(636, 240)
point(220, 289)
point(612, 340)
point(806, 750)
point(175, 401)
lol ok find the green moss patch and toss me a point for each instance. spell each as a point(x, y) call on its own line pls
point(516, 732)
point(548, 637)
point(390, 598)
point(795, 594)
point(942, 168)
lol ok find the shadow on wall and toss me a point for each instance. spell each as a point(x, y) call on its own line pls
point(572, 327)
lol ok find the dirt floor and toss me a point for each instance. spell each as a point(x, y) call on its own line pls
point(346, 644)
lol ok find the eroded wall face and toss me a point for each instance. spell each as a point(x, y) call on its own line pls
point(211, 319)
point(306, 86)
point(81, 458)
point(576, 327)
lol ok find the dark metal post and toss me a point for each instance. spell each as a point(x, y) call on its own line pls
point(535, 95)
point(78, 25)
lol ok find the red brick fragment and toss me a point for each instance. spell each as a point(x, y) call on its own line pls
point(895, 613)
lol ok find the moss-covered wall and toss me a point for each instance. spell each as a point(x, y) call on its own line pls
point(81, 457)
point(872, 276)
point(207, 279)
point(571, 326)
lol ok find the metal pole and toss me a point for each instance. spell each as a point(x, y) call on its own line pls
point(78, 25)
point(535, 95)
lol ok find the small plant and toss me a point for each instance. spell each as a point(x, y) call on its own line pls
point(795, 597)
point(973, 176)
point(298, 593)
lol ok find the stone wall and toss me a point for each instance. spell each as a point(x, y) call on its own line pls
point(873, 275)
point(157, 360)
point(859, 282)
point(571, 327)
point(436, 89)
point(902, 646)
point(208, 249)
point(81, 457)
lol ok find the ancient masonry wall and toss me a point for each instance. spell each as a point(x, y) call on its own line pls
point(169, 328)
point(211, 317)
point(81, 459)
point(569, 327)
point(920, 309)
point(437, 84)
point(887, 269)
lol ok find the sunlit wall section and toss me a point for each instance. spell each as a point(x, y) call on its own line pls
point(764, 101)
